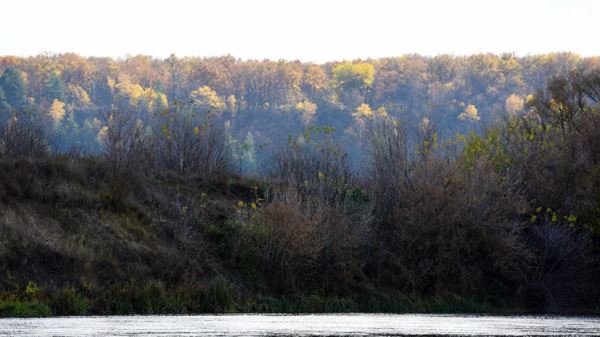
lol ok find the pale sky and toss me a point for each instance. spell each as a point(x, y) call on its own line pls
point(308, 30)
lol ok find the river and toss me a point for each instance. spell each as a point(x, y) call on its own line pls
point(300, 325)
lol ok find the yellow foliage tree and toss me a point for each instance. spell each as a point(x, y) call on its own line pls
point(350, 75)
point(307, 110)
point(207, 100)
point(232, 105)
point(57, 111)
point(470, 114)
point(514, 104)
point(363, 111)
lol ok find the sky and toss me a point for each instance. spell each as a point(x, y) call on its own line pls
point(307, 30)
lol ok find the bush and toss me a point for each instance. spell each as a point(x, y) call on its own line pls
point(187, 144)
point(68, 302)
point(220, 297)
point(443, 227)
point(24, 309)
point(150, 298)
point(22, 137)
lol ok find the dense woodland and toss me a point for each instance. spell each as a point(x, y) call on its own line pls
point(214, 184)
point(260, 103)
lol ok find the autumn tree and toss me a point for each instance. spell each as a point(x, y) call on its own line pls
point(353, 81)
point(57, 112)
point(469, 114)
point(514, 104)
point(306, 110)
point(207, 101)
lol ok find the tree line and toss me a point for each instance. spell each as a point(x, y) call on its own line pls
point(260, 103)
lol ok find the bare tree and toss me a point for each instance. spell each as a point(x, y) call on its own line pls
point(389, 162)
point(189, 145)
point(314, 166)
point(22, 137)
point(125, 143)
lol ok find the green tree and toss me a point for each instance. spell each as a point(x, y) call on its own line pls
point(249, 165)
point(54, 87)
point(353, 81)
point(4, 106)
point(14, 83)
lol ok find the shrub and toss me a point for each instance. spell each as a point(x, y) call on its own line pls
point(22, 137)
point(24, 309)
point(68, 302)
point(187, 144)
point(220, 297)
point(150, 298)
point(442, 226)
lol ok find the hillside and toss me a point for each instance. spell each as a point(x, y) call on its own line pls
point(75, 242)
point(136, 201)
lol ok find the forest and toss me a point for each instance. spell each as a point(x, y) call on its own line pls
point(406, 184)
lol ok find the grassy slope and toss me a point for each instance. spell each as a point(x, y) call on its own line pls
point(70, 243)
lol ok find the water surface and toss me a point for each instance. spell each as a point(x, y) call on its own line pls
point(300, 325)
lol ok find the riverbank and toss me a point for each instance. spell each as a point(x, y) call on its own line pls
point(154, 300)
point(222, 297)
